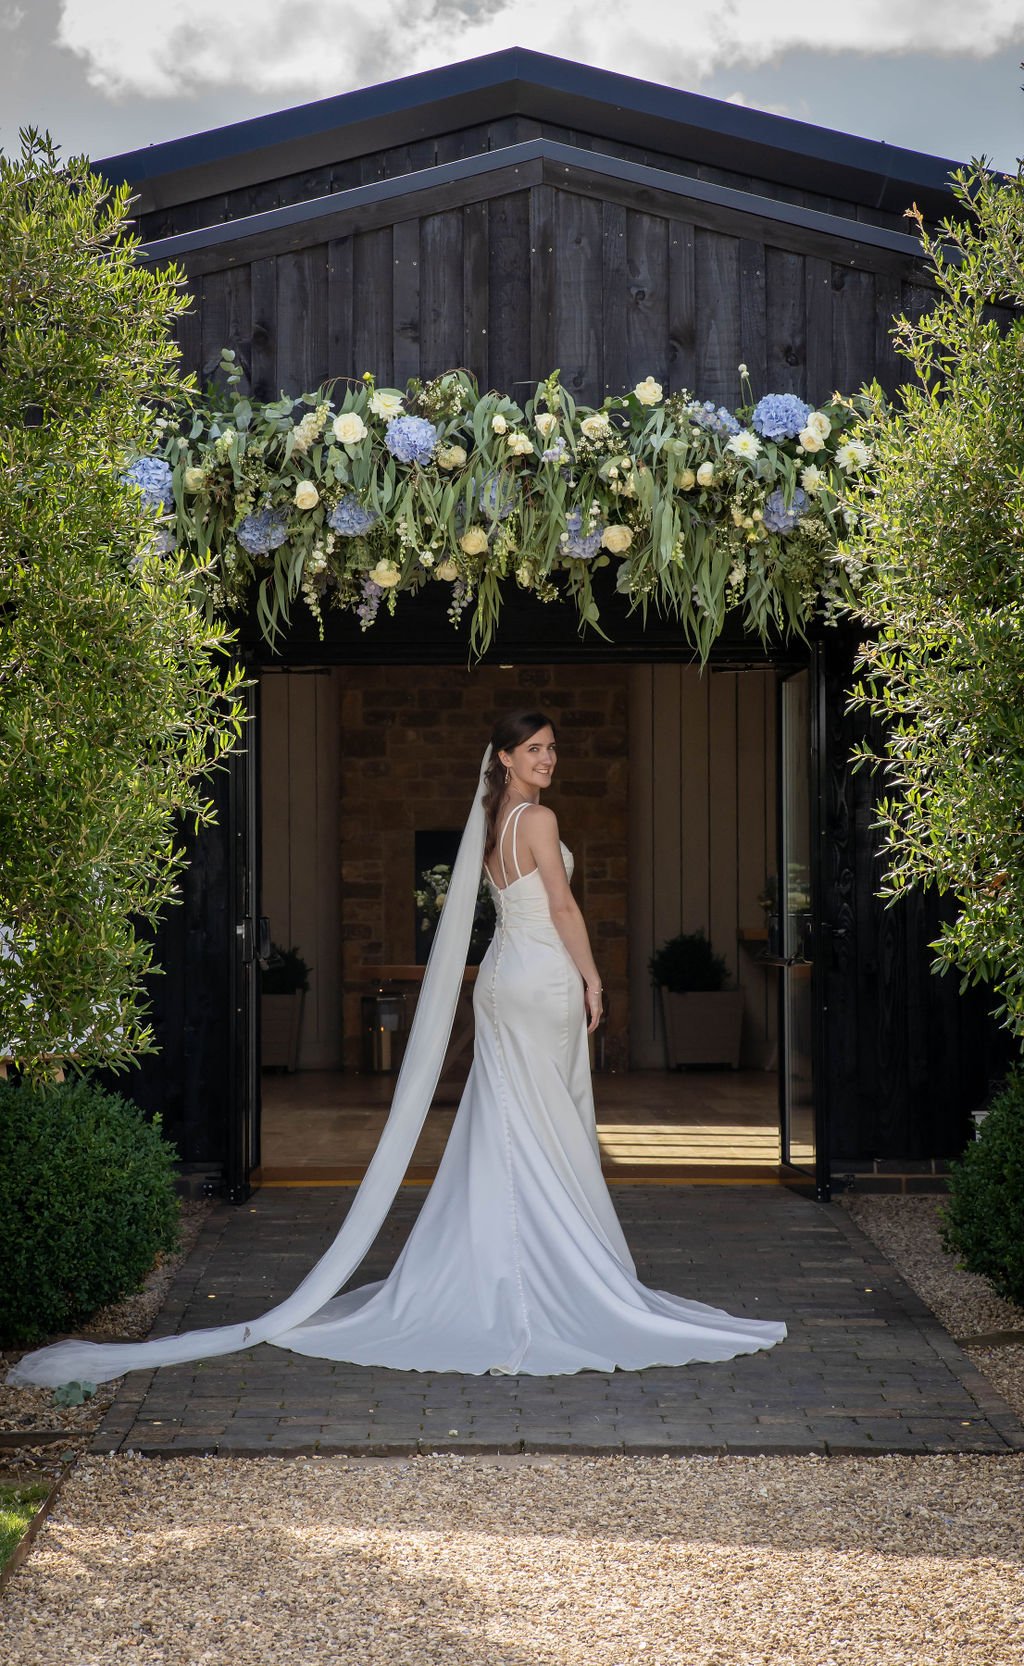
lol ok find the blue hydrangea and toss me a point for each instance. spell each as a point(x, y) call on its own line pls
point(780, 416)
point(777, 518)
point(153, 476)
point(555, 451)
point(498, 494)
point(718, 421)
point(350, 519)
point(411, 439)
point(262, 532)
point(584, 546)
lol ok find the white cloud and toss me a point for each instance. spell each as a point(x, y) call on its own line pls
point(312, 48)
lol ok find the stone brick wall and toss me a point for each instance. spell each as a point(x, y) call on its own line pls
point(411, 742)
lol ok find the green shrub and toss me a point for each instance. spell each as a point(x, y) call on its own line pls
point(86, 1201)
point(285, 973)
point(686, 964)
point(983, 1221)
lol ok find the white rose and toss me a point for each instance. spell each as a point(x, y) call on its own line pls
point(385, 403)
point(195, 479)
point(810, 440)
point(306, 495)
point(451, 456)
point(520, 445)
point(474, 542)
point(818, 423)
point(350, 428)
point(596, 427)
point(811, 479)
point(447, 570)
point(386, 574)
point(546, 424)
point(706, 474)
point(648, 391)
point(617, 539)
point(687, 480)
point(498, 423)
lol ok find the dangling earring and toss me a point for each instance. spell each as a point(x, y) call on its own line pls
point(508, 775)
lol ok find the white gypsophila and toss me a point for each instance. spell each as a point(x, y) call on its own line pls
point(306, 495)
point(818, 423)
point(545, 424)
point(498, 423)
point(852, 455)
point(520, 445)
point(811, 479)
point(349, 428)
point(744, 444)
point(648, 391)
point(385, 403)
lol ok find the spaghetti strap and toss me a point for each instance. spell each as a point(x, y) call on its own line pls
point(513, 817)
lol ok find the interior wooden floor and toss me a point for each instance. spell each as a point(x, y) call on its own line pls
point(321, 1128)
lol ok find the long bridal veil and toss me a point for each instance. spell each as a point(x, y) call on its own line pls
point(414, 1089)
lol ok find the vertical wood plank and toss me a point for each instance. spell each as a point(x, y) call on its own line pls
point(508, 290)
point(682, 307)
point(441, 295)
point(718, 313)
point(577, 295)
point(302, 852)
point(405, 262)
point(786, 306)
point(340, 359)
point(613, 296)
point(646, 1049)
point(646, 297)
point(853, 327)
point(696, 854)
point(753, 316)
point(263, 369)
point(751, 863)
point(722, 820)
point(326, 1050)
point(372, 287)
point(821, 379)
point(275, 890)
point(542, 280)
point(214, 316)
point(188, 331)
point(475, 354)
point(890, 369)
point(302, 318)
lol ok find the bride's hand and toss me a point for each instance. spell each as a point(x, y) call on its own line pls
point(594, 997)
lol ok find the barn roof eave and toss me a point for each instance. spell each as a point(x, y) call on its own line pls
point(517, 81)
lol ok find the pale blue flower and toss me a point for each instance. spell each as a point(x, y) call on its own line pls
point(350, 519)
point(555, 452)
point(717, 421)
point(498, 494)
point(777, 518)
point(262, 532)
point(154, 478)
point(575, 542)
point(780, 416)
point(411, 439)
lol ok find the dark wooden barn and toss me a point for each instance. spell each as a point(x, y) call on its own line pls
point(514, 214)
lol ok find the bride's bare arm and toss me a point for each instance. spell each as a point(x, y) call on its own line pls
point(538, 830)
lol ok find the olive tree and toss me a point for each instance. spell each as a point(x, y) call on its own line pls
point(116, 694)
point(937, 551)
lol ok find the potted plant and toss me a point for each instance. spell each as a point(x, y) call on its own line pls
point(283, 984)
point(702, 1015)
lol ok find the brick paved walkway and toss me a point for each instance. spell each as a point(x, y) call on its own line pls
point(865, 1368)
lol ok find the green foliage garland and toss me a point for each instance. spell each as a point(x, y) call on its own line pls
point(538, 495)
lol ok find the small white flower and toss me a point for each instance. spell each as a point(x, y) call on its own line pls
point(520, 445)
point(474, 542)
point(811, 479)
point(384, 402)
point(524, 573)
point(545, 424)
point(742, 369)
point(706, 474)
point(306, 495)
point(498, 423)
point(195, 479)
point(745, 444)
point(818, 423)
point(426, 559)
point(451, 456)
point(853, 455)
point(617, 539)
point(648, 391)
point(596, 427)
point(349, 428)
point(737, 515)
point(809, 440)
point(386, 574)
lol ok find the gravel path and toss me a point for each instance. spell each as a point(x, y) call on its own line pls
point(527, 1562)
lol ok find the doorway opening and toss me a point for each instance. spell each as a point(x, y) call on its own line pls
point(667, 792)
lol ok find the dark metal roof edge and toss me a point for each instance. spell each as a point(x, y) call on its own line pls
point(517, 80)
point(511, 157)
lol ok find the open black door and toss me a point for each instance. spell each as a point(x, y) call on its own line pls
point(242, 1148)
point(803, 1119)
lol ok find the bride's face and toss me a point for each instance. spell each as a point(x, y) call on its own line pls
point(533, 761)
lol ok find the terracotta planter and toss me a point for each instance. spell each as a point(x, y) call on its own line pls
point(280, 1029)
point(702, 1028)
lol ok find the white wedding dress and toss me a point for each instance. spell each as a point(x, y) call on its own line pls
point(516, 1262)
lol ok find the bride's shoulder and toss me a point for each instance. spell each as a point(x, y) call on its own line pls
point(541, 820)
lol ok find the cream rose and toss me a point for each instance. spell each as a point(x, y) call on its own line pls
point(386, 574)
point(818, 423)
point(350, 428)
point(451, 456)
point(195, 479)
point(447, 570)
point(706, 474)
point(545, 424)
point(596, 427)
point(498, 423)
point(648, 391)
point(520, 445)
point(686, 481)
point(384, 403)
point(306, 495)
point(474, 542)
point(810, 440)
point(617, 539)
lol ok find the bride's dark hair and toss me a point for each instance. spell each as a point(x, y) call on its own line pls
point(509, 732)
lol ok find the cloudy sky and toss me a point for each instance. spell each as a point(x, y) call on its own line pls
point(105, 76)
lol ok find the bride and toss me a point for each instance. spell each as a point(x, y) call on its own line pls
point(516, 1262)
